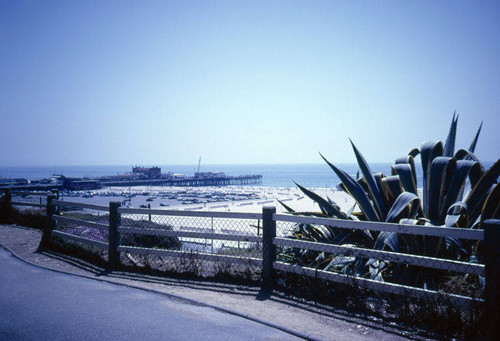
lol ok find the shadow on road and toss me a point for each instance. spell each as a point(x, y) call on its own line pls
point(147, 278)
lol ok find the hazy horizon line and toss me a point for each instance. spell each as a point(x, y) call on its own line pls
point(202, 165)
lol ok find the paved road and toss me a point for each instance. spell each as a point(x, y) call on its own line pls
point(37, 304)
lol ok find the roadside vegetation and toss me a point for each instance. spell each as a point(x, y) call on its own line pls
point(456, 191)
point(34, 218)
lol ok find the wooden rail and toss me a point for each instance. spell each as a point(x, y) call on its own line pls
point(270, 241)
point(463, 301)
point(83, 240)
point(423, 261)
point(80, 205)
point(206, 214)
point(389, 227)
point(20, 203)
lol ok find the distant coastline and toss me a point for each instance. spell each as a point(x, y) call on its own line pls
point(277, 175)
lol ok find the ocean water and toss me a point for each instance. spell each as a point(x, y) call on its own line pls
point(278, 175)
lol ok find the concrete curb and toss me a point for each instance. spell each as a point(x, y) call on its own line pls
point(171, 296)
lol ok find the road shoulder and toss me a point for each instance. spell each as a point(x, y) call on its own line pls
point(304, 317)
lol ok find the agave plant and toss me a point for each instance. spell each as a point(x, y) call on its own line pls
point(454, 191)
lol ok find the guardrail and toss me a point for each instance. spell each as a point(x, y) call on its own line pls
point(210, 236)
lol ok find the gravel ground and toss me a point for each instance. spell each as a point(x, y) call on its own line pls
point(317, 321)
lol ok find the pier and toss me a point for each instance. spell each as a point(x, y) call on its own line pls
point(99, 182)
point(189, 182)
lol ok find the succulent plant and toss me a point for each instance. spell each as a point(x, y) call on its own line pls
point(456, 192)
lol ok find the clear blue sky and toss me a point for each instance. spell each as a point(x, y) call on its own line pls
point(163, 82)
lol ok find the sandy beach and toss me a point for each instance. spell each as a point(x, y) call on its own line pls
point(223, 199)
point(244, 199)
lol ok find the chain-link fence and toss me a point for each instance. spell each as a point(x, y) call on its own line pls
point(204, 243)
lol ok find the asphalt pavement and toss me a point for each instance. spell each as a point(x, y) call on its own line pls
point(39, 304)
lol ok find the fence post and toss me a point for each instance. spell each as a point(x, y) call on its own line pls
point(47, 232)
point(6, 208)
point(268, 248)
point(492, 269)
point(55, 192)
point(114, 235)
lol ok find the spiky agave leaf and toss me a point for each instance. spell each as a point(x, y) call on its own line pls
point(333, 203)
point(349, 213)
point(463, 167)
point(401, 203)
point(364, 185)
point(292, 211)
point(441, 172)
point(356, 191)
point(479, 192)
point(449, 147)
point(491, 208)
point(325, 205)
point(405, 173)
point(288, 208)
point(376, 267)
point(338, 263)
point(455, 246)
point(385, 239)
point(428, 151)
point(455, 213)
point(414, 152)
point(389, 239)
point(410, 160)
point(472, 147)
point(321, 233)
point(391, 188)
point(373, 189)
point(413, 242)
point(463, 154)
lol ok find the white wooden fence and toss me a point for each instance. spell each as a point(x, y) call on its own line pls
point(270, 242)
point(417, 260)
